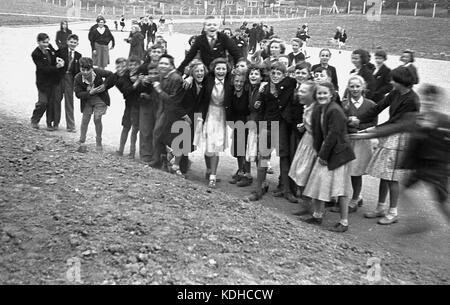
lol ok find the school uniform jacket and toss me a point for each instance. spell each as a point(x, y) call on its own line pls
point(382, 83)
point(239, 107)
point(208, 53)
point(47, 75)
point(192, 99)
point(125, 86)
point(172, 95)
point(74, 68)
point(80, 87)
point(330, 138)
point(275, 108)
point(334, 78)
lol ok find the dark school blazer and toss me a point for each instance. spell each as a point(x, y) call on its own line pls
point(47, 75)
point(382, 83)
point(330, 138)
point(334, 78)
point(80, 88)
point(208, 54)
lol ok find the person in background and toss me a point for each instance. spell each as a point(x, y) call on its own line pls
point(100, 37)
point(253, 38)
point(170, 26)
point(296, 56)
point(71, 68)
point(62, 35)
point(408, 58)
point(382, 75)
point(241, 42)
point(122, 23)
point(325, 55)
point(48, 71)
point(151, 33)
point(136, 41)
point(361, 59)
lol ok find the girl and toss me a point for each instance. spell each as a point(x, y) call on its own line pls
point(192, 101)
point(382, 75)
point(296, 56)
point(408, 58)
point(361, 59)
point(214, 106)
point(62, 35)
point(330, 175)
point(100, 37)
point(136, 41)
point(384, 163)
point(356, 105)
point(190, 43)
point(305, 156)
point(239, 110)
point(276, 48)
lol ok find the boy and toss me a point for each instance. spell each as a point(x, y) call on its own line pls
point(153, 55)
point(71, 68)
point(127, 81)
point(90, 88)
point(48, 71)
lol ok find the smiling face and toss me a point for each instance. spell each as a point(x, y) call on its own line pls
point(295, 46)
point(356, 60)
point(305, 94)
point(255, 77)
point(284, 61)
point(155, 54)
point(324, 57)
point(220, 71)
point(323, 95)
point(301, 76)
point(199, 73)
point(133, 67)
point(101, 23)
point(211, 27)
point(86, 71)
point(276, 76)
point(72, 43)
point(355, 88)
point(43, 44)
point(241, 65)
point(227, 32)
point(405, 58)
point(275, 49)
point(238, 82)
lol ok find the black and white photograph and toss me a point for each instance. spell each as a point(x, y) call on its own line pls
point(203, 143)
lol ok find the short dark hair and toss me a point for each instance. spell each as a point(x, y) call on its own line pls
point(100, 18)
point(429, 89)
point(169, 57)
point(255, 66)
point(120, 60)
point(86, 62)
point(42, 37)
point(320, 69)
point(74, 37)
point(411, 53)
point(403, 76)
point(156, 46)
point(303, 65)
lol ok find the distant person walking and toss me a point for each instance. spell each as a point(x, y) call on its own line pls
point(62, 35)
point(100, 37)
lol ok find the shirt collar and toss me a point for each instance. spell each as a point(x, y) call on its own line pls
point(93, 78)
point(217, 82)
point(357, 102)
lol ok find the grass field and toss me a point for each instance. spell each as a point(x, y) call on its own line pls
point(429, 37)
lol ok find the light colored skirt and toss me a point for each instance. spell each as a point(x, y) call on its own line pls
point(363, 153)
point(303, 161)
point(251, 152)
point(214, 135)
point(324, 184)
point(102, 57)
point(386, 158)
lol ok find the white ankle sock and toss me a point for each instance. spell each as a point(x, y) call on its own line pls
point(344, 222)
point(393, 211)
point(212, 177)
point(317, 215)
point(381, 206)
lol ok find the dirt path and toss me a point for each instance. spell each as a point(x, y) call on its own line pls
point(108, 220)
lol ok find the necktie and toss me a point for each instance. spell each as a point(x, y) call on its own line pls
point(70, 60)
point(212, 42)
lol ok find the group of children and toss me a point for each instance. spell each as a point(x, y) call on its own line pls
point(279, 103)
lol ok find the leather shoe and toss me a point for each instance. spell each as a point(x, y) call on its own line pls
point(339, 228)
point(291, 198)
point(244, 181)
point(314, 221)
